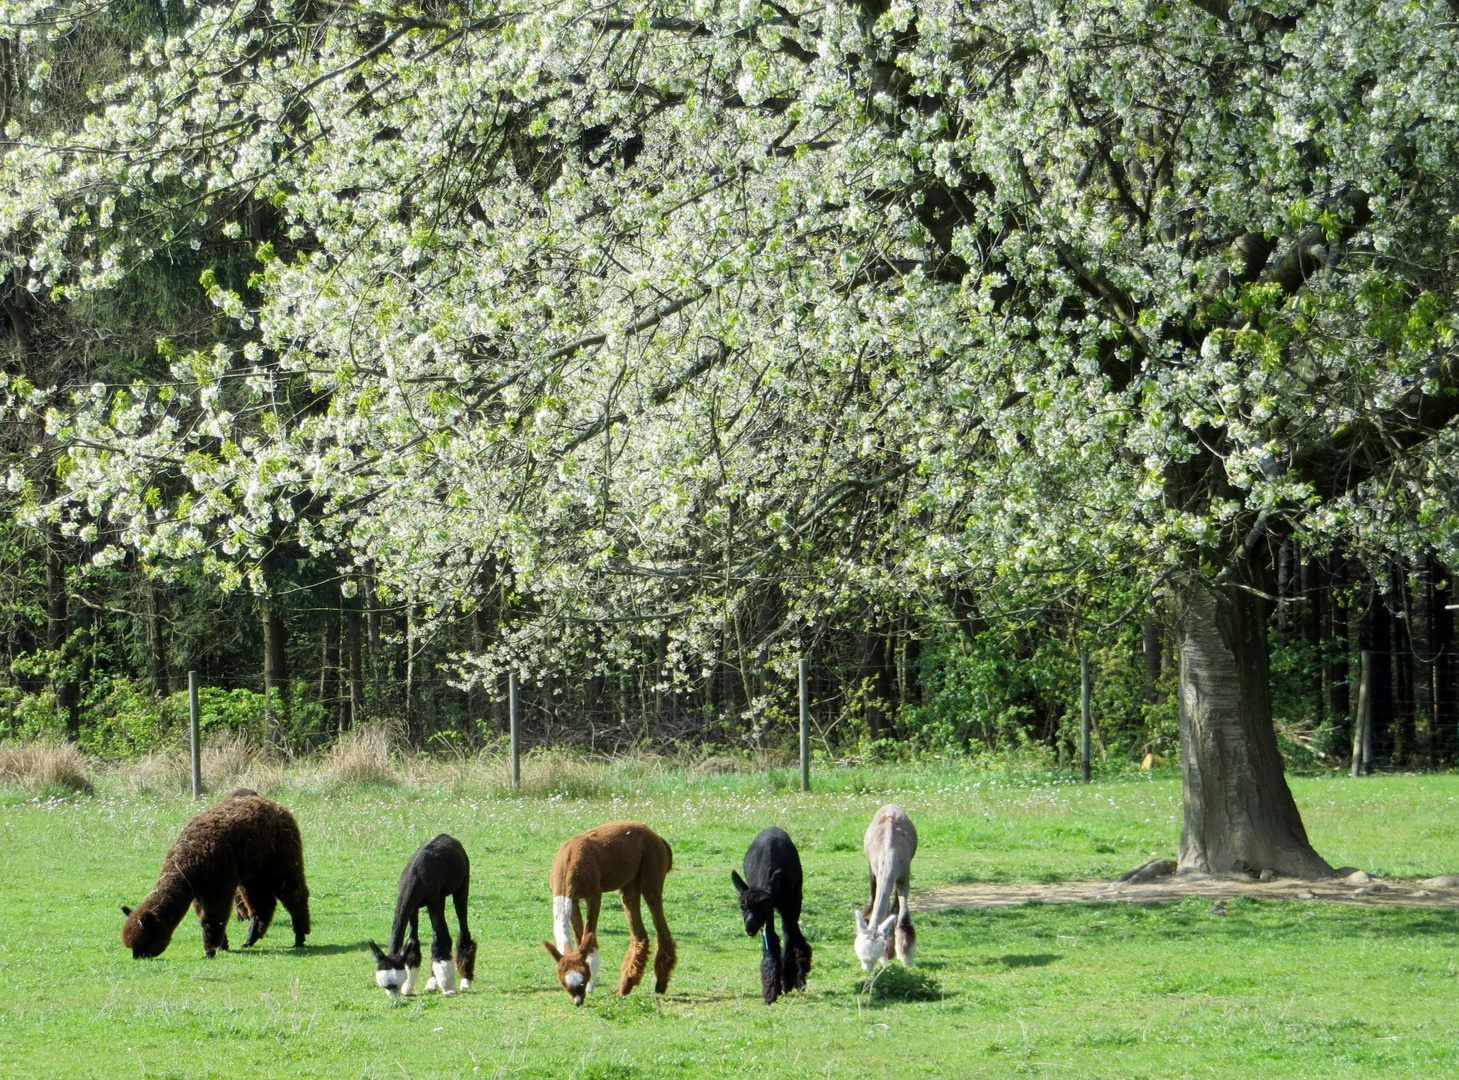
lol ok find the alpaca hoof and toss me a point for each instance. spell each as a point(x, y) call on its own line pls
point(431, 984)
point(465, 984)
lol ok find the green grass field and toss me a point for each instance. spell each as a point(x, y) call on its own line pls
point(1275, 989)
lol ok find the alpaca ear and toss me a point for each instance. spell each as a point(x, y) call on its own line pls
point(125, 910)
point(885, 928)
point(860, 921)
point(740, 885)
point(589, 943)
point(379, 956)
point(552, 949)
point(774, 877)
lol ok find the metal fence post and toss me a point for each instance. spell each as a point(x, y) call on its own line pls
point(192, 711)
point(515, 734)
point(1085, 719)
point(805, 732)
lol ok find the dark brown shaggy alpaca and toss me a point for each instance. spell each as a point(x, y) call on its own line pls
point(244, 845)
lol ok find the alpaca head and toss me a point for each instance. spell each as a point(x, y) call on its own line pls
point(144, 932)
point(395, 973)
point(872, 941)
point(755, 905)
point(576, 968)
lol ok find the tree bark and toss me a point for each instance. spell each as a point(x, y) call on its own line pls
point(1153, 648)
point(356, 714)
point(156, 650)
point(1423, 661)
point(275, 668)
point(58, 634)
point(1239, 812)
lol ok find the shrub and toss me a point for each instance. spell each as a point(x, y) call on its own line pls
point(30, 717)
point(44, 766)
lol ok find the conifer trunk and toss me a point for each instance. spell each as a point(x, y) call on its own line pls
point(275, 668)
point(1239, 812)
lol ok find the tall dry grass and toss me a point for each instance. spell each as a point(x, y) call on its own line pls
point(45, 766)
point(226, 762)
point(362, 756)
point(371, 754)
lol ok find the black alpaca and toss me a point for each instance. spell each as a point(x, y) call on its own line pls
point(772, 883)
point(438, 869)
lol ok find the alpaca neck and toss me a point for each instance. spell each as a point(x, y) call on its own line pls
point(883, 902)
point(405, 907)
point(169, 899)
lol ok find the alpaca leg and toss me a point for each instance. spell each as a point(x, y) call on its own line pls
point(465, 955)
point(293, 893)
point(771, 962)
point(668, 952)
point(577, 924)
point(636, 959)
point(443, 973)
point(213, 911)
point(261, 906)
point(905, 935)
point(870, 904)
point(797, 956)
point(595, 905)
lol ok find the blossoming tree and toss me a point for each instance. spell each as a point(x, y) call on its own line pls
point(642, 313)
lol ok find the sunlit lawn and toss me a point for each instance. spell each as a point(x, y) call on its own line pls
point(1274, 989)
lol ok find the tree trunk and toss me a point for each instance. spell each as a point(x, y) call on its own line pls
point(1373, 635)
point(58, 635)
point(1444, 668)
point(275, 668)
point(874, 668)
point(1239, 812)
point(156, 650)
point(1153, 648)
point(1423, 661)
point(357, 677)
point(1337, 646)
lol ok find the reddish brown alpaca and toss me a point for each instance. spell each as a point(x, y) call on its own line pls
point(631, 858)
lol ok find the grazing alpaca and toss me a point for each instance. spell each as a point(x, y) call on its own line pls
point(438, 869)
point(772, 883)
point(633, 859)
point(244, 846)
point(890, 843)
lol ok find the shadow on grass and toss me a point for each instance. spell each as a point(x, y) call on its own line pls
point(1026, 961)
point(272, 951)
point(1191, 918)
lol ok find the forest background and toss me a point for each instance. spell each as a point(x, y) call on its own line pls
point(360, 355)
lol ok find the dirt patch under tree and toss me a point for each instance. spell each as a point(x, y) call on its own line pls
point(1141, 886)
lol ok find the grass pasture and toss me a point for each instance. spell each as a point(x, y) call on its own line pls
point(1111, 990)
